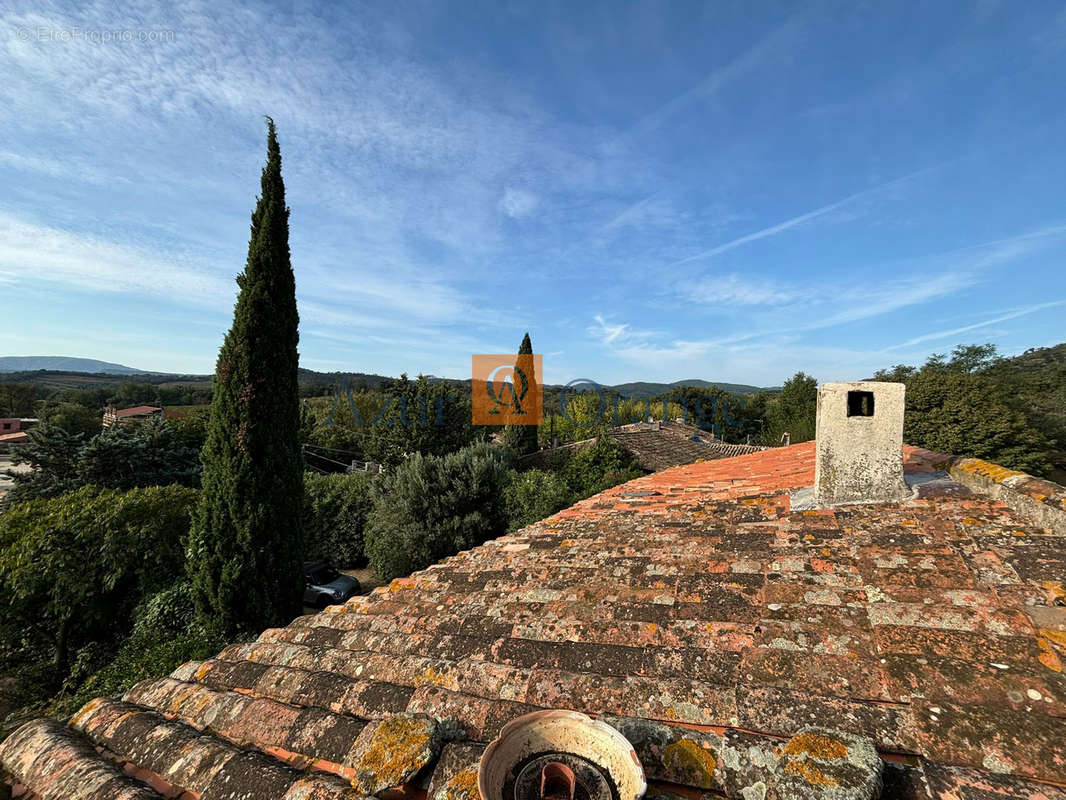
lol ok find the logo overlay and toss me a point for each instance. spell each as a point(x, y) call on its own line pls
point(507, 389)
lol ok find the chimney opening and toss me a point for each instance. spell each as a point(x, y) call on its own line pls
point(860, 404)
point(557, 781)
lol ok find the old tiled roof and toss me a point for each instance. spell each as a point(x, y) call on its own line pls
point(693, 609)
point(669, 444)
point(136, 411)
point(655, 446)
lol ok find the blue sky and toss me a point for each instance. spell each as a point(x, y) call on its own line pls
point(656, 191)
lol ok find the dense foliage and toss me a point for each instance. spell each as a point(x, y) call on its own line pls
point(71, 417)
point(423, 416)
point(335, 511)
point(120, 457)
point(431, 507)
point(593, 469)
point(246, 541)
point(533, 495)
point(19, 399)
point(792, 411)
point(74, 567)
point(978, 404)
point(165, 634)
point(401, 417)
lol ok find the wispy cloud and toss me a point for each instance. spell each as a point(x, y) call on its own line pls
point(767, 50)
point(734, 290)
point(802, 219)
point(796, 308)
point(617, 333)
point(31, 253)
point(944, 334)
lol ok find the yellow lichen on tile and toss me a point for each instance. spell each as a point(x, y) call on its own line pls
point(810, 773)
point(986, 469)
point(1048, 657)
point(692, 764)
point(462, 786)
point(395, 751)
point(815, 745)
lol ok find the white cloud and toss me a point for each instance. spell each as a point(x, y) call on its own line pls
point(732, 290)
point(40, 253)
point(518, 203)
point(616, 333)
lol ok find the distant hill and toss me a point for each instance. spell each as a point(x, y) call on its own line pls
point(58, 372)
point(63, 364)
point(642, 389)
point(1040, 358)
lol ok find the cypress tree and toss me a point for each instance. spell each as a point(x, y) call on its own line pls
point(245, 547)
point(522, 439)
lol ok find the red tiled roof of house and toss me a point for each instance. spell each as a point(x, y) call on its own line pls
point(136, 410)
point(693, 606)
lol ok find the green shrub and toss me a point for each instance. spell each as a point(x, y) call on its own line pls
point(533, 495)
point(335, 510)
point(431, 507)
point(73, 568)
point(165, 635)
point(598, 467)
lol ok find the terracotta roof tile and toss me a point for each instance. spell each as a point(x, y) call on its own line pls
point(655, 446)
point(136, 411)
point(694, 597)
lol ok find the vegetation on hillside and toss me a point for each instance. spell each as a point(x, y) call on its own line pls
point(976, 403)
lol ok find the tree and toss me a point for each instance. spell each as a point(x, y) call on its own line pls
point(522, 439)
point(978, 404)
point(246, 543)
point(73, 567)
point(598, 467)
point(18, 399)
point(141, 454)
point(533, 495)
point(431, 507)
point(52, 453)
point(335, 509)
point(71, 417)
point(120, 457)
point(971, 358)
point(422, 416)
point(794, 409)
point(967, 414)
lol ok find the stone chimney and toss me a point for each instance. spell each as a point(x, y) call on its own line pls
point(859, 443)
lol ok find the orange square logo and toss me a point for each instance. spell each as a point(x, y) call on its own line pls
point(507, 389)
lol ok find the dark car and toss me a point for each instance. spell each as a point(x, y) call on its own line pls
point(324, 586)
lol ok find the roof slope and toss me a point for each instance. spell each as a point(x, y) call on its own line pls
point(655, 445)
point(695, 597)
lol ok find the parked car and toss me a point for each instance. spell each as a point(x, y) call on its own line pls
point(324, 586)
